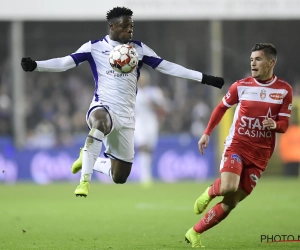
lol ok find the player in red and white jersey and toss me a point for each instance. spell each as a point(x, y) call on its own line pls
point(256, 102)
point(264, 104)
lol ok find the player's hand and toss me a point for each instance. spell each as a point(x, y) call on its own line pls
point(269, 123)
point(203, 143)
point(28, 64)
point(215, 81)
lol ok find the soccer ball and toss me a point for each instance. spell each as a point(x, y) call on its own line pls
point(123, 58)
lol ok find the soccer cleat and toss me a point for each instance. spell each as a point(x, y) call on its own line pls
point(77, 165)
point(202, 202)
point(192, 237)
point(83, 189)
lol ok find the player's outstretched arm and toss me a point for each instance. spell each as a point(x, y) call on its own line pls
point(174, 69)
point(28, 64)
point(215, 81)
point(203, 143)
point(52, 65)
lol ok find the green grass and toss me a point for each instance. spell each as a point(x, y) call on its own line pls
point(131, 217)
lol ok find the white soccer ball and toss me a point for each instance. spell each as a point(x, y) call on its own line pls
point(123, 58)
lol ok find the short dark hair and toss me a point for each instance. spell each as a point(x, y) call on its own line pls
point(117, 12)
point(268, 48)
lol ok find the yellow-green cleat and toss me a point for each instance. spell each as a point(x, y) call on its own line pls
point(77, 165)
point(202, 202)
point(83, 189)
point(194, 238)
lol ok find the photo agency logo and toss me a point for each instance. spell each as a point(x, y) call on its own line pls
point(276, 238)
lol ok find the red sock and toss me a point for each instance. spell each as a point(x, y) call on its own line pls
point(215, 189)
point(211, 218)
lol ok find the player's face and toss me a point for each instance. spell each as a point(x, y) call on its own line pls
point(122, 29)
point(261, 65)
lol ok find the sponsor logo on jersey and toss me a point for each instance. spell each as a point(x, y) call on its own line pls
point(290, 106)
point(253, 127)
point(115, 74)
point(262, 94)
point(249, 92)
point(110, 72)
point(276, 96)
point(105, 52)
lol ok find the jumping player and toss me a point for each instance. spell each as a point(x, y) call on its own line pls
point(111, 113)
point(264, 104)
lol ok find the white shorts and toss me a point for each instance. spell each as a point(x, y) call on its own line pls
point(119, 143)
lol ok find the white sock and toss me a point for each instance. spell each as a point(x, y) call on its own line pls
point(91, 151)
point(103, 165)
point(144, 159)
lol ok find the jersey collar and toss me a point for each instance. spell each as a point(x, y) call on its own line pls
point(112, 42)
point(266, 82)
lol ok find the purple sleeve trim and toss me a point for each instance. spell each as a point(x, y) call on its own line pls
point(80, 57)
point(87, 56)
point(95, 41)
point(151, 61)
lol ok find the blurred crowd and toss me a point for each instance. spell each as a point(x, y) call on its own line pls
point(56, 105)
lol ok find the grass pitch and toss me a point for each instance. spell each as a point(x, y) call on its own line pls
point(131, 217)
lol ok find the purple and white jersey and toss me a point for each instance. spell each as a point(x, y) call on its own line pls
point(116, 90)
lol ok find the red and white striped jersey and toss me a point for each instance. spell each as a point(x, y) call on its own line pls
point(257, 101)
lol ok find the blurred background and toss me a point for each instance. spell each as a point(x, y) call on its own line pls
point(42, 115)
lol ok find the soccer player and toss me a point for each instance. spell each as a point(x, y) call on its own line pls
point(264, 103)
point(111, 113)
point(150, 104)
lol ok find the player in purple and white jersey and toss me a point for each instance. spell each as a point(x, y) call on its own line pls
point(111, 113)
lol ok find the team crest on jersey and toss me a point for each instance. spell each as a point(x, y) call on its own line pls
point(263, 94)
point(276, 96)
